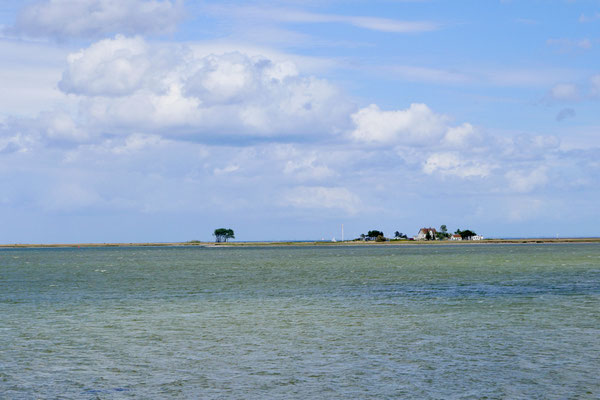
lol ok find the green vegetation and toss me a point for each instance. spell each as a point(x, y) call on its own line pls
point(400, 235)
point(466, 234)
point(223, 234)
point(443, 234)
point(374, 234)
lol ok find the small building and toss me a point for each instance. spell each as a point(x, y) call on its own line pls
point(422, 235)
point(455, 237)
point(477, 237)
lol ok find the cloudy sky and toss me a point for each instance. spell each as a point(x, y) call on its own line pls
point(161, 120)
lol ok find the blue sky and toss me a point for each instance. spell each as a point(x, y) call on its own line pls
point(158, 120)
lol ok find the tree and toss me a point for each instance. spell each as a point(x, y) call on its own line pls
point(374, 233)
point(467, 234)
point(397, 235)
point(443, 233)
point(428, 235)
point(223, 234)
point(380, 238)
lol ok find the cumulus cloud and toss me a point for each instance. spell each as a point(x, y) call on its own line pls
point(416, 125)
point(109, 67)
point(96, 18)
point(126, 83)
point(460, 135)
point(321, 197)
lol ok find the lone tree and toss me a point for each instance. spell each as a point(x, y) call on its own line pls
point(223, 234)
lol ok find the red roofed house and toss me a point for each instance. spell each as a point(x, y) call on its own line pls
point(422, 235)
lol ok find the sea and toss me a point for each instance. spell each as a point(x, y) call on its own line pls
point(479, 321)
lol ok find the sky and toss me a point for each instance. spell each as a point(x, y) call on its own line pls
point(161, 120)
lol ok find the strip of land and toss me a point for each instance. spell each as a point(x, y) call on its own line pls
point(316, 243)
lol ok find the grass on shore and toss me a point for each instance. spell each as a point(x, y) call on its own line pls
point(315, 243)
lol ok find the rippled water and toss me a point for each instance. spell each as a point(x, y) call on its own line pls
point(412, 322)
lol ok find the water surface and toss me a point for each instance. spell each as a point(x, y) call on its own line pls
point(412, 322)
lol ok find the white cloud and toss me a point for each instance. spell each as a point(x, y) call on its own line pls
point(416, 125)
point(460, 135)
point(236, 78)
point(308, 167)
point(125, 83)
point(95, 18)
point(109, 67)
point(14, 143)
point(226, 170)
point(452, 164)
point(527, 181)
point(321, 197)
point(60, 126)
point(136, 143)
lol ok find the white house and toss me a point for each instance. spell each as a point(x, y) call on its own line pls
point(422, 235)
point(455, 237)
point(477, 237)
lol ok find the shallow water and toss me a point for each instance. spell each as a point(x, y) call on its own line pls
point(411, 322)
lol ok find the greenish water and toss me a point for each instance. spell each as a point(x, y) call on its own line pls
point(410, 322)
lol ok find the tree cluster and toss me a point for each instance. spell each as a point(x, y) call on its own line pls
point(442, 234)
point(223, 234)
point(375, 235)
point(466, 234)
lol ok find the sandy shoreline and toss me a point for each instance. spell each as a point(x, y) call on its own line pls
point(316, 243)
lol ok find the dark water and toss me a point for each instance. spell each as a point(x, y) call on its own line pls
point(410, 322)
